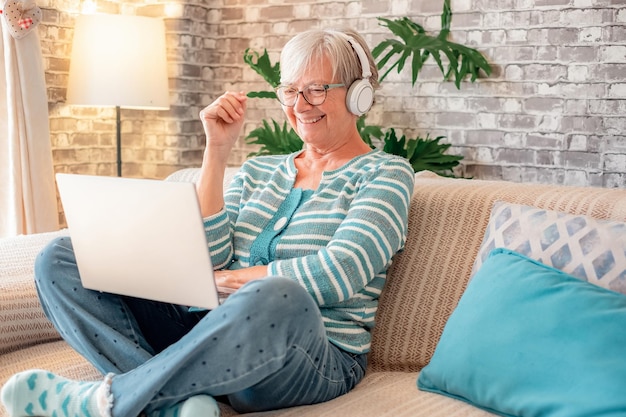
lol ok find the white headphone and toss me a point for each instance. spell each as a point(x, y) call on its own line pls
point(360, 96)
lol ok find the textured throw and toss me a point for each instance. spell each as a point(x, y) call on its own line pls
point(447, 223)
point(22, 322)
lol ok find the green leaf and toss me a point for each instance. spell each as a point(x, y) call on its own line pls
point(263, 66)
point(416, 46)
point(393, 144)
point(423, 154)
point(368, 132)
point(261, 94)
point(274, 140)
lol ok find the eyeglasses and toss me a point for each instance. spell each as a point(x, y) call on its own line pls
point(314, 94)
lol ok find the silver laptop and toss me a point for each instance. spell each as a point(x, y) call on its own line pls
point(137, 237)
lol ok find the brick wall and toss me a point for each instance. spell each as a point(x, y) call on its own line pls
point(552, 111)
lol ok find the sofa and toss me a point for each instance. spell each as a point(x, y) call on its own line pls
point(448, 222)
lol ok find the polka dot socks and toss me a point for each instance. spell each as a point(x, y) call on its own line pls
point(41, 393)
point(44, 394)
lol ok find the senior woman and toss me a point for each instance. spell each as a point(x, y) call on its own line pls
point(306, 239)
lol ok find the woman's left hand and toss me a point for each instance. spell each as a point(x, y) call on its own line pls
point(237, 278)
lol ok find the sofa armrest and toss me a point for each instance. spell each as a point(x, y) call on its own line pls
point(22, 321)
point(192, 175)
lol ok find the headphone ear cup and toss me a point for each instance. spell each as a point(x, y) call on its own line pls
point(360, 97)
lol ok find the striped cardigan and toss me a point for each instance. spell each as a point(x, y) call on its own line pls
point(337, 241)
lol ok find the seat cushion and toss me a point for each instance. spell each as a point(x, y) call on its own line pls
point(386, 394)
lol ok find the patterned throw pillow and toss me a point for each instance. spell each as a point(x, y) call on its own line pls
point(587, 248)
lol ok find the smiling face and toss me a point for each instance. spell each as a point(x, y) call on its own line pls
point(328, 125)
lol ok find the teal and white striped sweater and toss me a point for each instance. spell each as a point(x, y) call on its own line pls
point(336, 241)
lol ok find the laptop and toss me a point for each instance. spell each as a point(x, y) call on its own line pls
point(141, 238)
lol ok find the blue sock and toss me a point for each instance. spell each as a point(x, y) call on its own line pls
point(41, 393)
point(196, 406)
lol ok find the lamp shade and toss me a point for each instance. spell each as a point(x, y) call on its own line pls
point(118, 60)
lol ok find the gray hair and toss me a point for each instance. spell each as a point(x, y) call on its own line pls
point(311, 45)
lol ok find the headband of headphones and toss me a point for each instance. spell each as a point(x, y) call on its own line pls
point(365, 65)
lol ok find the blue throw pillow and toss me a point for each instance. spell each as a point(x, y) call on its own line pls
point(529, 340)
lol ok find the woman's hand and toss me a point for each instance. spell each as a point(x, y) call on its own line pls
point(237, 278)
point(222, 121)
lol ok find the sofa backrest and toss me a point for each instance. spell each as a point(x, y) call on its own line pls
point(447, 222)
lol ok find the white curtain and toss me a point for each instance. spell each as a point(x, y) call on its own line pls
point(27, 189)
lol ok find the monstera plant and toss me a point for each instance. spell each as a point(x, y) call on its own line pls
point(413, 48)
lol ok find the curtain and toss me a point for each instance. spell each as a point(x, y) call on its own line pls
point(28, 201)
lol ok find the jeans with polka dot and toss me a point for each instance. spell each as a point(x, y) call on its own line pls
point(264, 348)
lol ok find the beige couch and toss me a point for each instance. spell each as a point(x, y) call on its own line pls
point(446, 227)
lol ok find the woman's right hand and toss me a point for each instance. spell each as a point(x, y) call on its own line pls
point(222, 121)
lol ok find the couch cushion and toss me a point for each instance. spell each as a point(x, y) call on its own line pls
point(590, 249)
point(385, 394)
point(447, 223)
point(527, 339)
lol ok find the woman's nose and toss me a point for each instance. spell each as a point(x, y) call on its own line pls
point(301, 102)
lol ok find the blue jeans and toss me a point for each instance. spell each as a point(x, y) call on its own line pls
point(264, 348)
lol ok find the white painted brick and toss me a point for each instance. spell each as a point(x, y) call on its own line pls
point(491, 20)
point(281, 27)
point(615, 125)
point(617, 90)
point(487, 120)
point(576, 106)
point(433, 23)
point(545, 18)
point(549, 123)
point(615, 162)
point(515, 19)
point(455, 104)
point(583, 3)
point(512, 105)
point(461, 5)
point(543, 105)
point(614, 53)
point(591, 34)
point(514, 73)
point(517, 35)
point(484, 155)
point(301, 11)
point(475, 37)
point(353, 9)
point(577, 73)
point(615, 143)
point(577, 143)
point(575, 178)
point(514, 140)
point(400, 7)
point(614, 180)
point(252, 14)
point(586, 16)
point(578, 90)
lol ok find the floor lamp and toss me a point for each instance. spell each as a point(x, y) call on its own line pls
point(119, 61)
